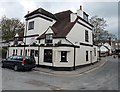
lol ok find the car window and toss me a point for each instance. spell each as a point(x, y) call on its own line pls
point(28, 58)
point(10, 58)
point(17, 58)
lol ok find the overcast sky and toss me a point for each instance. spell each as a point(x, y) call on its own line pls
point(106, 9)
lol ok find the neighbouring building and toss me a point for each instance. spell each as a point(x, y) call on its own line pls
point(62, 41)
point(109, 47)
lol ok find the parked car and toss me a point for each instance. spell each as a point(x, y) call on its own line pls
point(19, 62)
point(118, 55)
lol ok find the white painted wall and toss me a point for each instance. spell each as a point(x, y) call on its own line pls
point(40, 26)
point(81, 55)
point(63, 41)
point(57, 57)
point(15, 48)
point(77, 34)
point(22, 48)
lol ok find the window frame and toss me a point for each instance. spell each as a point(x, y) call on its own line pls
point(31, 25)
point(86, 36)
point(94, 51)
point(36, 54)
point(16, 52)
point(13, 52)
point(87, 56)
point(49, 39)
point(64, 59)
point(21, 52)
point(32, 52)
point(46, 54)
point(26, 52)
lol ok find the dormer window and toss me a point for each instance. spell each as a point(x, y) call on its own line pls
point(48, 38)
point(85, 16)
point(16, 41)
point(31, 25)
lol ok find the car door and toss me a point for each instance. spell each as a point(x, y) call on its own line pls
point(7, 62)
point(14, 61)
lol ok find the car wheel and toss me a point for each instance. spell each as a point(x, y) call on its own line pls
point(15, 68)
point(30, 69)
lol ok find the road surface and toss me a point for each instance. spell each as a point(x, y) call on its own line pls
point(103, 78)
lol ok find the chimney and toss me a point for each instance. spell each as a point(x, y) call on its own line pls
point(81, 7)
point(73, 17)
point(80, 12)
point(28, 12)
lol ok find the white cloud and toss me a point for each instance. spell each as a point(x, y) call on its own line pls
point(19, 8)
point(2, 10)
point(112, 25)
point(28, 5)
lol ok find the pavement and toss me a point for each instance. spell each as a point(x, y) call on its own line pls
point(79, 71)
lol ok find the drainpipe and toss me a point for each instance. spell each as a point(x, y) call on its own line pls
point(25, 35)
point(74, 58)
point(38, 52)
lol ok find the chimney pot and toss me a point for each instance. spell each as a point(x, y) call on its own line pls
point(81, 7)
point(28, 12)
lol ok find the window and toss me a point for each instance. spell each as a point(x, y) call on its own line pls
point(16, 52)
point(36, 53)
point(93, 38)
point(31, 25)
point(63, 56)
point(85, 16)
point(10, 58)
point(48, 38)
point(86, 36)
point(26, 52)
point(48, 55)
point(16, 41)
point(21, 52)
point(32, 52)
point(86, 55)
point(13, 51)
point(94, 51)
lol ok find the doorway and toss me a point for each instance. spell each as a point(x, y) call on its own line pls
point(48, 55)
point(91, 56)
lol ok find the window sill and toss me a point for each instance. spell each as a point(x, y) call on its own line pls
point(63, 61)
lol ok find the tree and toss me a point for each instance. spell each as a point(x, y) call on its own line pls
point(99, 26)
point(99, 29)
point(9, 26)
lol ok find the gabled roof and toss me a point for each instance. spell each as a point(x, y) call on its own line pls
point(20, 36)
point(62, 26)
point(41, 11)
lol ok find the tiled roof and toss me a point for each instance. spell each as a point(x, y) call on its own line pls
point(41, 11)
point(62, 26)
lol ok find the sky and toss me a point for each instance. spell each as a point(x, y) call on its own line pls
point(107, 9)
